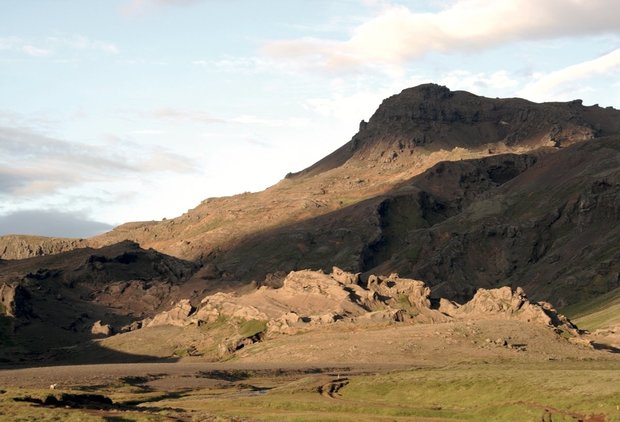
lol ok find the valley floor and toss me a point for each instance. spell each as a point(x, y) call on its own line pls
point(565, 390)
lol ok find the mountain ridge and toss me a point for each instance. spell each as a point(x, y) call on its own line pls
point(409, 133)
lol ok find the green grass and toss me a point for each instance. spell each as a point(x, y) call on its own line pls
point(252, 327)
point(479, 393)
point(601, 312)
point(517, 392)
point(14, 411)
point(348, 201)
point(403, 303)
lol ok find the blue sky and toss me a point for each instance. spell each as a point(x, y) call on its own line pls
point(125, 110)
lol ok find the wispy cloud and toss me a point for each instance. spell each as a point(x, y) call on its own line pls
point(34, 164)
point(560, 84)
point(50, 46)
point(81, 42)
point(398, 34)
point(203, 117)
point(35, 51)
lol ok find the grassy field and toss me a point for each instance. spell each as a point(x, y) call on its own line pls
point(558, 391)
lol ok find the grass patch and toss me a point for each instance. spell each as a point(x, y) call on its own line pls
point(403, 303)
point(601, 312)
point(252, 327)
point(509, 392)
point(478, 393)
point(348, 201)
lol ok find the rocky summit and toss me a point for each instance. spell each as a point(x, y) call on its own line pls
point(479, 198)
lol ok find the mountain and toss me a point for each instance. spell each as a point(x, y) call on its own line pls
point(408, 134)
point(454, 189)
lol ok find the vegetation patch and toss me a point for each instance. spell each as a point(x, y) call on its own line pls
point(252, 327)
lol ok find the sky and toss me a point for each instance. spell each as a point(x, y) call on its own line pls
point(129, 110)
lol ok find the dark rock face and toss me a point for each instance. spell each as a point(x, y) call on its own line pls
point(552, 229)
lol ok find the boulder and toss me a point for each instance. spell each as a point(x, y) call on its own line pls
point(101, 329)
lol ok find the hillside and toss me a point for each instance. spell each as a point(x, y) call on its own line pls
point(460, 191)
point(409, 133)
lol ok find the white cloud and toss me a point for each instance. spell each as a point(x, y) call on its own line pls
point(563, 84)
point(52, 45)
point(35, 51)
point(398, 34)
point(80, 42)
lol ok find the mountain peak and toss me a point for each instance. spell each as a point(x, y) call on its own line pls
point(427, 91)
point(429, 118)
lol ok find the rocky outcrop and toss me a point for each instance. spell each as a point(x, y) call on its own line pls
point(414, 292)
point(310, 299)
point(506, 303)
point(177, 316)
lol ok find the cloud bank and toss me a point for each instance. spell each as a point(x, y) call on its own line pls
point(32, 164)
point(398, 34)
point(560, 83)
point(50, 223)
